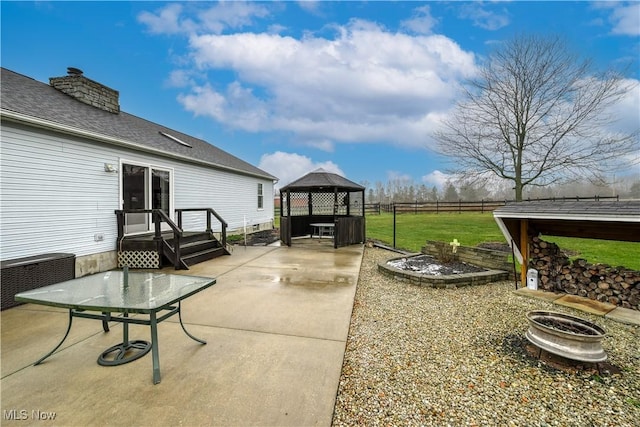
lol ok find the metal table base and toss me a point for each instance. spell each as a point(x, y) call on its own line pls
point(128, 351)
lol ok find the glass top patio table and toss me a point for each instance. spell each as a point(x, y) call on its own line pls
point(157, 295)
point(110, 292)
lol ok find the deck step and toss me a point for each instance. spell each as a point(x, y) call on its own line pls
point(188, 237)
point(205, 255)
point(198, 246)
point(195, 247)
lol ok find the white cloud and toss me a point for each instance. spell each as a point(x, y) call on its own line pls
point(167, 20)
point(626, 20)
point(310, 6)
point(204, 101)
point(231, 14)
point(291, 166)
point(437, 178)
point(277, 29)
point(180, 78)
point(321, 144)
point(482, 17)
point(627, 121)
point(623, 16)
point(626, 111)
point(217, 18)
point(365, 85)
point(422, 22)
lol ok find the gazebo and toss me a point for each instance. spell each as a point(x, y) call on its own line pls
point(323, 201)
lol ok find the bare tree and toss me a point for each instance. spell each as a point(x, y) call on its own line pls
point(536, 115)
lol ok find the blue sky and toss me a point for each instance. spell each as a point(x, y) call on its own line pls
point(353, 87)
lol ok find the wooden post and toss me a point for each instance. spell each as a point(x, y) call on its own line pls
point(289, 218)
point(524, 250)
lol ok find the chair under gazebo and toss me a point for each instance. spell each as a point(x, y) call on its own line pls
point(323, 203)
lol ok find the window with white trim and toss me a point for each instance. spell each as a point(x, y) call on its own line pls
point(260, 197)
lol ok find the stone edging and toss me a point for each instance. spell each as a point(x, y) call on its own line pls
point(451, 281)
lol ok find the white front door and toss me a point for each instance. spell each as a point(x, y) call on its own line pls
point(145, 187)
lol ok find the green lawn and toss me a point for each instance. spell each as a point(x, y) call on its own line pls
point(472, 228)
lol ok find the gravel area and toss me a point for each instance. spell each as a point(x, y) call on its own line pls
point(459, 357)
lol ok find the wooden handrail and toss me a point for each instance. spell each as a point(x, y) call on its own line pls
point(176, 229)
point(210, 212)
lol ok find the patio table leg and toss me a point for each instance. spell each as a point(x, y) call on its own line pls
point(105, 321)
point(60, 343)
point(154, 347)
point(184, 329)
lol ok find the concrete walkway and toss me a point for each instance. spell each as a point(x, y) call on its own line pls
point(276, 324)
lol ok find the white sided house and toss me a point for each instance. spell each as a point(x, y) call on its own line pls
point(81, 177)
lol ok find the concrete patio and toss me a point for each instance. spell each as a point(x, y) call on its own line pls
point(276, 324)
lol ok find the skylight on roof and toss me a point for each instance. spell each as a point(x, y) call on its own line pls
point(173, 138)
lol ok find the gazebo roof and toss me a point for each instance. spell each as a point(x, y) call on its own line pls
point(321, 180)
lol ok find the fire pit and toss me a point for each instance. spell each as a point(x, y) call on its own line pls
point(566, 336)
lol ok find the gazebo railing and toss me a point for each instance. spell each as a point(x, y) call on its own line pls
point(349, 230)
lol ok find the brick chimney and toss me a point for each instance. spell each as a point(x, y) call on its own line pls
point(85, 90)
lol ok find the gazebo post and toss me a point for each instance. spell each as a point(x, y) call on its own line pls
point(348, 203)
point(364, 222)
point(335, 215)
point(289, 217)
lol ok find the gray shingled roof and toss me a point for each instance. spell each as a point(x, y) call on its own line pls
point(28, 97)
point(321, 180)
point(626, 210)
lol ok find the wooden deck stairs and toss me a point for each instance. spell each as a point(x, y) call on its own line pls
point(170, 244)
point(194, 248)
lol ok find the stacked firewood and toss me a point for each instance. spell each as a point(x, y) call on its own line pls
point(547, 258)
point(600, 282)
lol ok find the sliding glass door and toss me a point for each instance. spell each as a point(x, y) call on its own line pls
point(145, 187)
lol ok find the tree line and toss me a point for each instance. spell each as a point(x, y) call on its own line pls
point(405, 190)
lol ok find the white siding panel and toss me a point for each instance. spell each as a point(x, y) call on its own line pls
point(55, 195)
point(234, 197)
